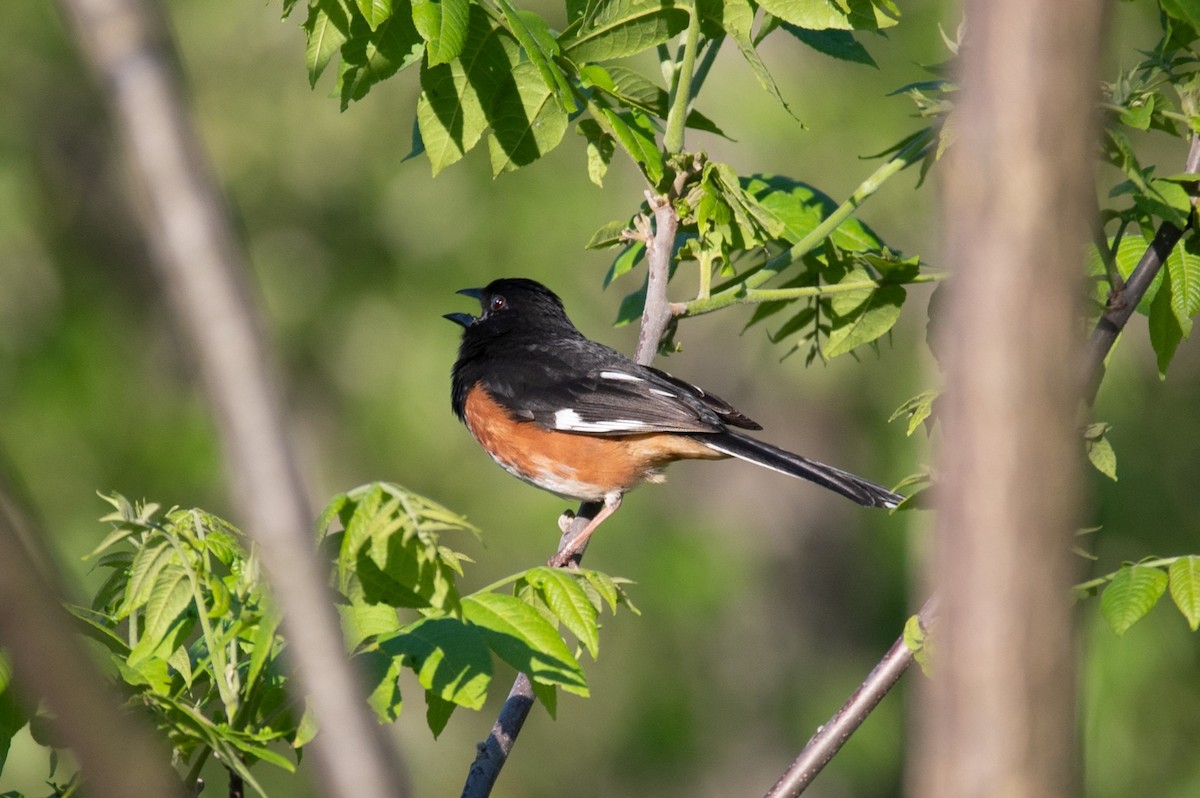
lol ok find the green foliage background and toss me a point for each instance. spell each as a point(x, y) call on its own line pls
point(764, 601)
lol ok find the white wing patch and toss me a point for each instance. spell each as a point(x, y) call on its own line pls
point(661, 392)
point(619, 375)
point(570, 421)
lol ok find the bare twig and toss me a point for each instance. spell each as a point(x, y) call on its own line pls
point(202, 266)
point(117, 753)
point(1124, 298)
point(831, 736)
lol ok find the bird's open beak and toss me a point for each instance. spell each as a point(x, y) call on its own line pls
point(465, 319)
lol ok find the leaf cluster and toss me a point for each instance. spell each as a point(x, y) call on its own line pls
point(490, 68)
point(185, 627)
point(385, 546)
point(1128, 594)
point(183, 624)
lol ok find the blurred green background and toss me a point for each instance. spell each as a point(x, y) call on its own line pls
point(764, 601)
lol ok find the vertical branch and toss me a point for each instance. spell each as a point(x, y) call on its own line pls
point(202, 266)
point(1000, 717)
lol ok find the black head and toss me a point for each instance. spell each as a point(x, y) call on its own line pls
point(512, 303)
point(517, 314)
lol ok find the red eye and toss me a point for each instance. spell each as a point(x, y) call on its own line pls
point(497, 303)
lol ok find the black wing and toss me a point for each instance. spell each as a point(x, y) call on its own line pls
point(587, 388)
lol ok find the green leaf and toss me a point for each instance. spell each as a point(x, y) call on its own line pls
point(1132, 593)
point(636, 134)
point(801, 207)
point(12, 717)
point(437, 712)
point(361, 622)
point(833, 14)
point(306, 728)
point(839, 44)
point(1165, 331)
point(917, 641)
point(164, 646)
point(736, 18)
point(547, 694)
point(443, 26)
point(369, 56)
point(862, 317)
point(1139, 115)
point(604, 585)
point(524, 639)
point(1187, 11)
point(918, 409)
point(1184, 576)
point(611, 234)
point(621, 28)
point(171, 595)
point(449, 657)
point(262, 648)
point(569, 603)
point(147, 564)
point(526, 119)
point(600, 149)
point(1100, 451)
point(1183, 270)
point(383, 675)
point(631, 307)
point(375, 12)
point(326, 30)
point(637, 91)
point(535, 36)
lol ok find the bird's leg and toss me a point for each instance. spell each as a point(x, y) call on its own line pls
point(611, 502)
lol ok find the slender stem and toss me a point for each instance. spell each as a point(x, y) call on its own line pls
point(711, 48)
point(732, 293)
point(830, 736)
point(1158, 562)
point(681, 87)
point(760, 295)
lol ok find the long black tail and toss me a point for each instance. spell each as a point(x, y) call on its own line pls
point(755, 451)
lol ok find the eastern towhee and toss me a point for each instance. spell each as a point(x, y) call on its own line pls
point(581, 420)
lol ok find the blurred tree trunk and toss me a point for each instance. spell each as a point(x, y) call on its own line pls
point(998, 717)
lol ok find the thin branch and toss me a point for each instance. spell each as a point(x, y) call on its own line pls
point(118, 754)
point(831, 736)
point(1124, 299)
point(203, 268)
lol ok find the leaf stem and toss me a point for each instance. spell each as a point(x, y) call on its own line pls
point(734, 293)
point(681, 86)
point(711, 48)
point(759, 295)
point(1158, 562)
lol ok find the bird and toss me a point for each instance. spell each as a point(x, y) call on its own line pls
point(581, 420)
